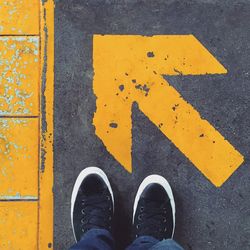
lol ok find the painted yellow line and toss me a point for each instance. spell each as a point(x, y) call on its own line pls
point(45, 240)
point(128, 69)
point(26, 124)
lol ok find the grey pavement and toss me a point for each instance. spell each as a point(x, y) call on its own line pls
point(207, 217)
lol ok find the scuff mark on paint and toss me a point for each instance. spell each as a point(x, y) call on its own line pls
point(43, 159)
point(150, 54)
point(175, 107)
point(143, 88)
point(160, 125)
point(121, 87)
point(113, 125)
point(178, 71)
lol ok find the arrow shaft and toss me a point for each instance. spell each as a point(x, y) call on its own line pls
point(199, 141)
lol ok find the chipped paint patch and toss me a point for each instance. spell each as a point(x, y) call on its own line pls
point(19, 75)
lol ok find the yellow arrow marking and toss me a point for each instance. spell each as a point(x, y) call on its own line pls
point(129, 68)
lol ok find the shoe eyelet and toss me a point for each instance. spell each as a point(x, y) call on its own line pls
point(83, 221)
point(141, 209)
point(165, 229)
point(110, 208)
point(165, 220)
point(110, 218)
point(140, 217)
point(138, 226)
point(83, 230)
point(136, 236)
point(83, 212)
point(108, 198)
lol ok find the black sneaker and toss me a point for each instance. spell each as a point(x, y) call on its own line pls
point(154, 209)
point(92, 202)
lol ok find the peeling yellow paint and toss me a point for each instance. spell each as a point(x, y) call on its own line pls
point(130, 68)
point(19, 75)
point(18, 157)
point(18, 225)
point(19, 17)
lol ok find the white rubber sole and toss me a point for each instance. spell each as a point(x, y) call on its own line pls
point(164, 183)
point(84, 173)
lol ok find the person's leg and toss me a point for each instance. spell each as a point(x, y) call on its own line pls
point(168, 244)
point(150, 243)
point(143, 242)
point(95, 239)
point(92, 207)
point(154, 216)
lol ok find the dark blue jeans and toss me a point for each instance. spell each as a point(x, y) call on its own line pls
point(101, 239)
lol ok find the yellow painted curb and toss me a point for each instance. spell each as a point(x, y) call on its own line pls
point(45, 239)
point(26, 124)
